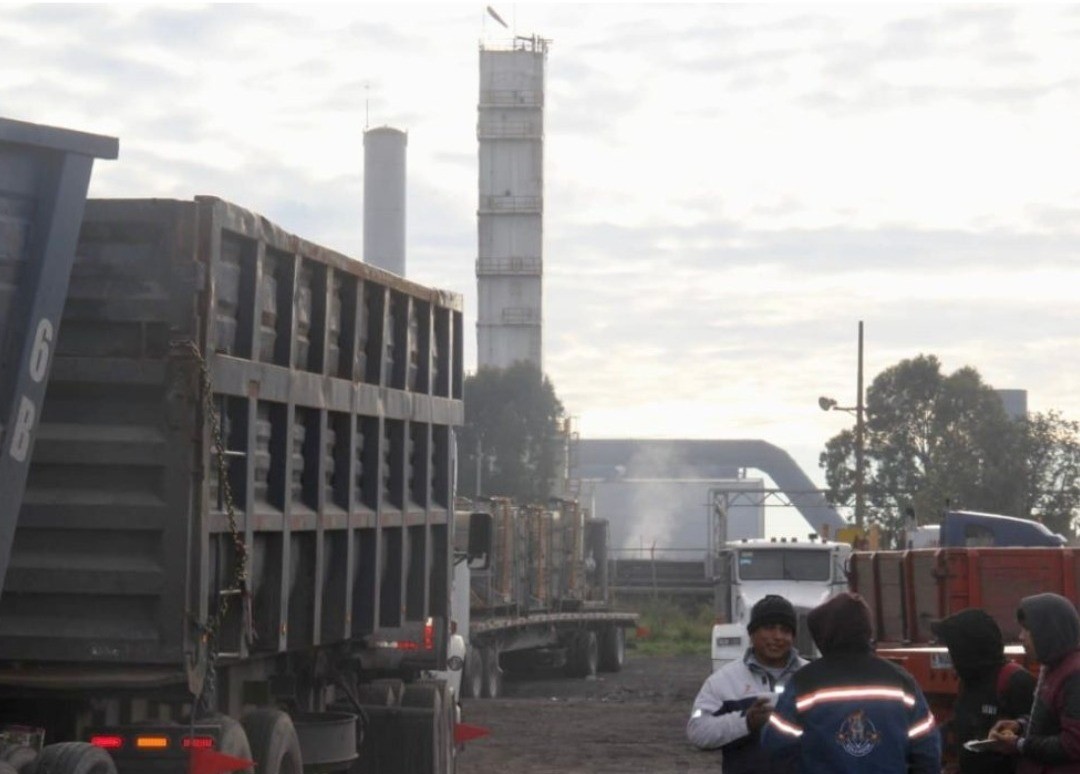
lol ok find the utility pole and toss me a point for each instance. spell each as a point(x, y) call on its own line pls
point(479, 463)
point(859, 410)
point(860, 430)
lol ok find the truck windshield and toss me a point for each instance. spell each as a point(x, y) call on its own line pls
point(781, 564)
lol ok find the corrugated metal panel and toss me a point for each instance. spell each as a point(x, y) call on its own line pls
point(337, 386)
point(44, 174)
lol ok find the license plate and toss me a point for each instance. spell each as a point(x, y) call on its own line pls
point(940, 661)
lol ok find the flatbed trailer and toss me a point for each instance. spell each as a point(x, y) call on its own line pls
point(542, 600)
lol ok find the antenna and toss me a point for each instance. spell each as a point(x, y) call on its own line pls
point(367, 106)
point(496, 17)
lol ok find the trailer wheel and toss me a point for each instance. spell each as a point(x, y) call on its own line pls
point(584, 654)
point(381, 693)
point(234, 740)
point(612, 649)
point(449, 714)
point(274, 744)
point(430, 754)
point(493, 675)
point(74, 758)
point(472, 682)
point(21, 758)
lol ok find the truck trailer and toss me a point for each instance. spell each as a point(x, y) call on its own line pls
point(909, 590)
point(236, 535)
point(540, 597)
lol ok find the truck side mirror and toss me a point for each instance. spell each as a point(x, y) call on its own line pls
point(479, 551)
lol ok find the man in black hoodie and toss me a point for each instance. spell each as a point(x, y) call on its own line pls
point(1050, 740)
point(989, 691)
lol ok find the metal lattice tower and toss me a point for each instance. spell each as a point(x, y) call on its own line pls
point(509, 265)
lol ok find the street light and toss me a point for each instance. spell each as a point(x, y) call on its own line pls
point(859, 410)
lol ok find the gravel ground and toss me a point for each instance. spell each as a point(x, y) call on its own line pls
point(632, 721)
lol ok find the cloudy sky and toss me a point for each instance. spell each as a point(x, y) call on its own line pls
point(729, 189)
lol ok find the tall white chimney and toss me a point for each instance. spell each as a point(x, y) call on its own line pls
point(384, 198)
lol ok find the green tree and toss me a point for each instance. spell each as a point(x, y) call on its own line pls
point(933, 440)
point(1051, 486)
point(512, 418)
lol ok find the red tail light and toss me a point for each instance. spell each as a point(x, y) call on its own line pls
point(107, 741)
point(429, 634)
point(198, 742)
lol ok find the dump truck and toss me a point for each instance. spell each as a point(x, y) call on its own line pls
point(235, 544)
point(539, 598)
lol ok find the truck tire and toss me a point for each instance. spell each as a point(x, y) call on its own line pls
point(74, 758)
point(234, 740)
point(449, 719)
point(584, 655)
point(612, 649)
point(472, 681)
point(493, 675)
point(381, 693)
point(429, 748)
point(274, 744)
point(20, 757)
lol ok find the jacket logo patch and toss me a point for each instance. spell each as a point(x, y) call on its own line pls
point(857, 735)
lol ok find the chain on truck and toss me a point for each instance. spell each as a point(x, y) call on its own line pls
point(227, 526)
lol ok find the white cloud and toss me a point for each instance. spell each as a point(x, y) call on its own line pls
point(729, 188)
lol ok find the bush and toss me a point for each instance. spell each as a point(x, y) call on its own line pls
point(665, 629)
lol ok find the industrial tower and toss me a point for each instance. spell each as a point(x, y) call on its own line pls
point(384, 198)
point(509, 265)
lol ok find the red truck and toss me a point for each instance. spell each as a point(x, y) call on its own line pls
point(909, 590)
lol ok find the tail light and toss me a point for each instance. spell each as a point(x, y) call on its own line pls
point(429, 634)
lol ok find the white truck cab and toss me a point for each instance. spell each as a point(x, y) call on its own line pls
point(806, 573)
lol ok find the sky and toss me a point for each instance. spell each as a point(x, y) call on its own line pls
point(729, 189)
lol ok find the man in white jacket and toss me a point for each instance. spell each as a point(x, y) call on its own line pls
point(736, 700)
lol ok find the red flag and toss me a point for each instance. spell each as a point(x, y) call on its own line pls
point(212, 762)
point(466, 732)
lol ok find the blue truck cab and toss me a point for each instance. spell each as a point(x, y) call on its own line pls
point(974, 529)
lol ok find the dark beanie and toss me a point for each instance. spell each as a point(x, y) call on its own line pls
point(772, 609)
point(841, 625)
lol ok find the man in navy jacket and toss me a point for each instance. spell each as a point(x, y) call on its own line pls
point(852, 711)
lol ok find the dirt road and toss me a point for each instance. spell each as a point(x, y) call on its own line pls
point(630, 722)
